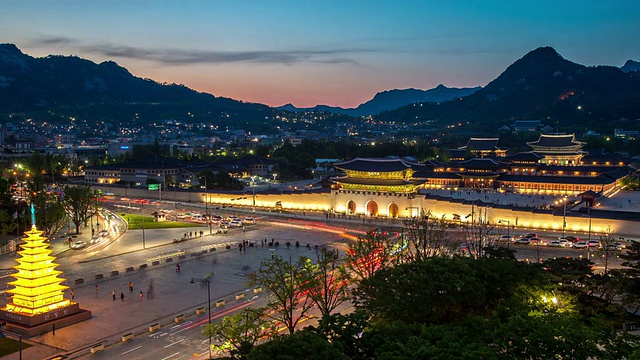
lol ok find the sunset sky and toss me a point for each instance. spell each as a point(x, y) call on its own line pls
point(337, 53)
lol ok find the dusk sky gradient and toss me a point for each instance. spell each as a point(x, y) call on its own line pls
point(338, 53)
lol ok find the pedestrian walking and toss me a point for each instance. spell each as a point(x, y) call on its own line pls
point(177, 268)
point(96, 289)
point(130, 286)
point(141, 295)
point(113, 293)
point(121, 296)
point(54, 329)
point(73, 294)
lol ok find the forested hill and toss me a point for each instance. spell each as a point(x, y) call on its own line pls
point(56, 87)
point(541, 85)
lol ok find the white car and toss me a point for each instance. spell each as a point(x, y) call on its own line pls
point(580, 245)
point(249, 221)
point(235, 223)
point(554, 243)
point(78, 245)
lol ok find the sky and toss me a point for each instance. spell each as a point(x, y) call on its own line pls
point(337, 53)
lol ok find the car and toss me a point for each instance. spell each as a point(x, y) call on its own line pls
point(531, 235)
point(104, 233)
point(571, 238)
point(506, 238)
point(622, 245)
point(580, 245)
point(564, 242)
point(249, 221)
point(593, 243)
point(536, 241)
point(78, 245)
point(523, 241)
point(554, 243)
point(235, 223)
point(181, 216)
point(614, 247)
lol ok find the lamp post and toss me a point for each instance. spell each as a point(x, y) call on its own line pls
point(206, 280)
point(253, 190)
point(142, 209)
point(508, 225)
point(564, 216)
point(206, 197)
point(589, 224)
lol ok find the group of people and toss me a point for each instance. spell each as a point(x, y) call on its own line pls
point(113, 293)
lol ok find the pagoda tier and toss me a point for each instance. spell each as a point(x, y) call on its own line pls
point(37, 287)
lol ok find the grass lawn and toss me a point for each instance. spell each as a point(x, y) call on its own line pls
point(9, 346)
point(135, 222)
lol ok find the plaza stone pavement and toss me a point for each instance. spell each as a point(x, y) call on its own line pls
point(172, 295)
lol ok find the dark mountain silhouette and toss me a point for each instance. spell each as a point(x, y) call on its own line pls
point(540, 85)
point(393, 99)
point(631, 65)
point(59, 86)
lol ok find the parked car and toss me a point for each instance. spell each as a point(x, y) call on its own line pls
point(564, 242)
point(523, 241)
point(554, 243)
point(572, 238)
point(580, 245)
point(506, 238)
point(614, 246)
point(249, 221)
point(593, 243)
point(235, 223)
point(531, 235)
point(535, 241)
point(78, 245)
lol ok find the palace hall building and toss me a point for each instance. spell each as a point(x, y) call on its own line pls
point(556, 165)
point(558, 149)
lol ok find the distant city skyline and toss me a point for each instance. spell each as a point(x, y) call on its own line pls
point(337, 53)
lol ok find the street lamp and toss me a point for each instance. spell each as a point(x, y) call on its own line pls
point(564, 215)
point(508, 225)
point(206, 280)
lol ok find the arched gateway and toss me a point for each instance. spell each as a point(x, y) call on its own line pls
point(393, 210)
point(372, 208)
point(351, 207)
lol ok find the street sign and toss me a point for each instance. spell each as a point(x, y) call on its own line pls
point(153, 186)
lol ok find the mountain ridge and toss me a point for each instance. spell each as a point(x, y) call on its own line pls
point(540, 85)
point(392, 99)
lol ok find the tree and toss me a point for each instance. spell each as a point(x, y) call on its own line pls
point(79, 203)
point(344, 331)
point(301, 345)
point(326, 281)
point(50, 213)
point(607, 249)
point(478, 234)
point(284, 283)
point(368, 254)
point(426, 237)
point(240, 332)
point(436, 290)
point(570, 273)
point(7, 225)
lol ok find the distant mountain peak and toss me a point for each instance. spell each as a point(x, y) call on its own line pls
point(546, 52)
point(10, 48)
point(631, 65)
